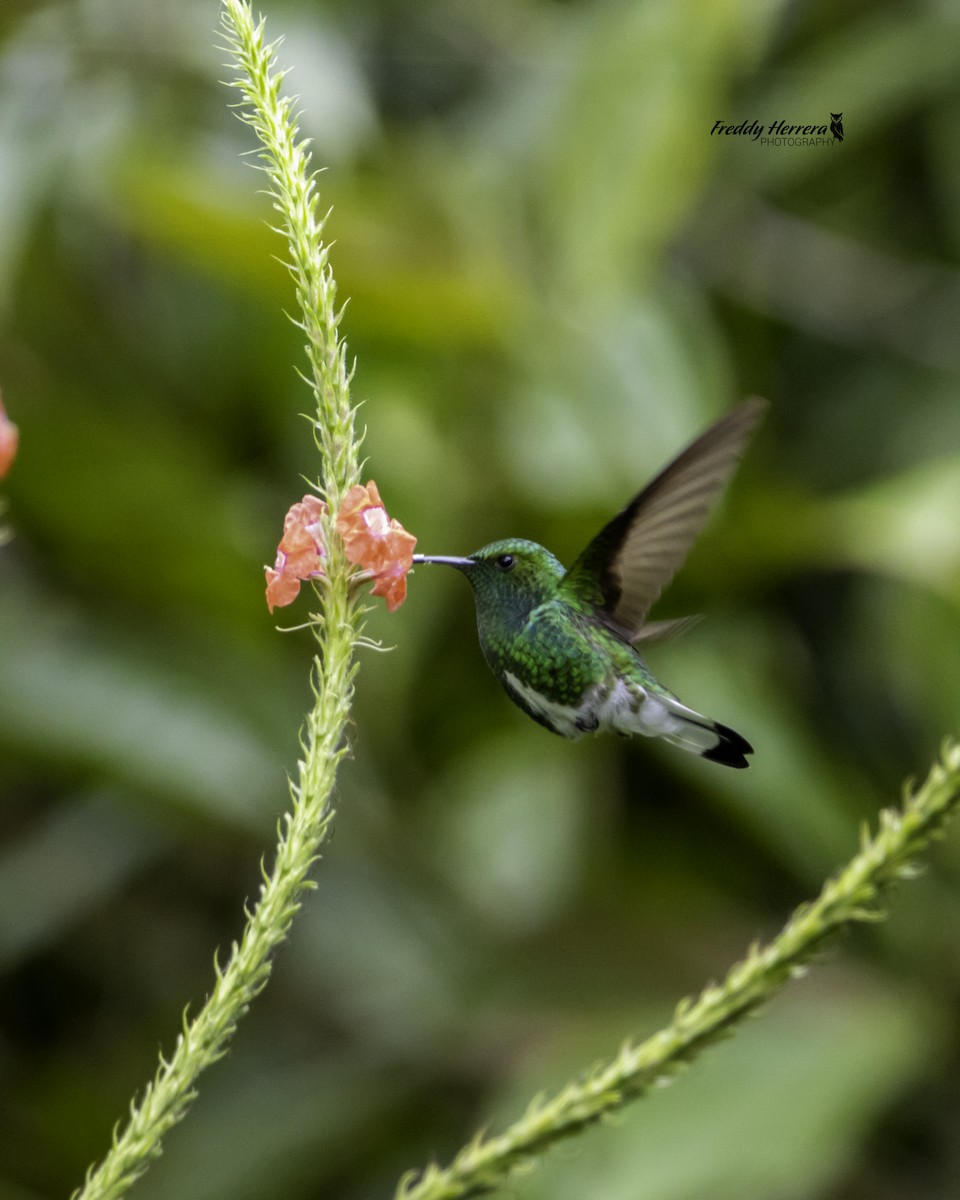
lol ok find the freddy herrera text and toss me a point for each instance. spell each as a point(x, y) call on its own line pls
point(775, 131)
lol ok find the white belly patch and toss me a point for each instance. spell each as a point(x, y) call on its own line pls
point(622, 709)
point(628, 710)
point(562, 717)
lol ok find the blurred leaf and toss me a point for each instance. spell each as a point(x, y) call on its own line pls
point(65, 867)
point(830, 284)
point(622, 156)
point(66, 694)
point(377, 951)
point(920, 633)
point(611, 399)
point(804, 803)
point(507, 828)
point(905, 526)
point(142, 506)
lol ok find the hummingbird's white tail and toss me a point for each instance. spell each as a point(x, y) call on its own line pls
point(697, 734)
point(629, 709)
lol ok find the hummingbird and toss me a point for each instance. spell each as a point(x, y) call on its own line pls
point(565, 644)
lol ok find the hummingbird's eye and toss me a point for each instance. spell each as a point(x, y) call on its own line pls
point(505, 562)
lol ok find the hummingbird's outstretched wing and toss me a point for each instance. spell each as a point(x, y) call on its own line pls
point(633, 558)
point(665, 631)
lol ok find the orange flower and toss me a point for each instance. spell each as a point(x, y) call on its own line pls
point(371, 539)
point(9, 439)
point(392, 585)
point(300, 553)
point(376, 542)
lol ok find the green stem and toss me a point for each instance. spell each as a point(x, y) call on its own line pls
point(851, 895)
point(204, 1039)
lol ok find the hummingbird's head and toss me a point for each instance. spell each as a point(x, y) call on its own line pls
point(509, 579)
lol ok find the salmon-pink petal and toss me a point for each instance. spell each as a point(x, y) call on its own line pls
point(393, 588)
point(361, 511)
point(366, 539)
point(401, 546)
point(282, 588)
point(301, 564)
point(355, 501)
point(371, 539)
point(9, 440)
point(301, 526)
point(300, 553)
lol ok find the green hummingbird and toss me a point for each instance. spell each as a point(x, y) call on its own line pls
point(564, 644)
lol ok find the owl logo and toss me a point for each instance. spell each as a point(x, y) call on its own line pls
point(836, 126)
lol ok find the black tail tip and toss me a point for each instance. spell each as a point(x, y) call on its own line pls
point(731, 750)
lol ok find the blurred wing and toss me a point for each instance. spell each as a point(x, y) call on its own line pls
point(665, 631)
point(634, 557)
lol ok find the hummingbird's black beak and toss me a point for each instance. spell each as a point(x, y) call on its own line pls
point(460, 563)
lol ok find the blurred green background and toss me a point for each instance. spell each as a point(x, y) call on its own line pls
point(557, 277)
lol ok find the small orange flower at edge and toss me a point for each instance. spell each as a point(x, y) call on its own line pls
point(376, 542)
point(9, 440)
point(300, 553)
